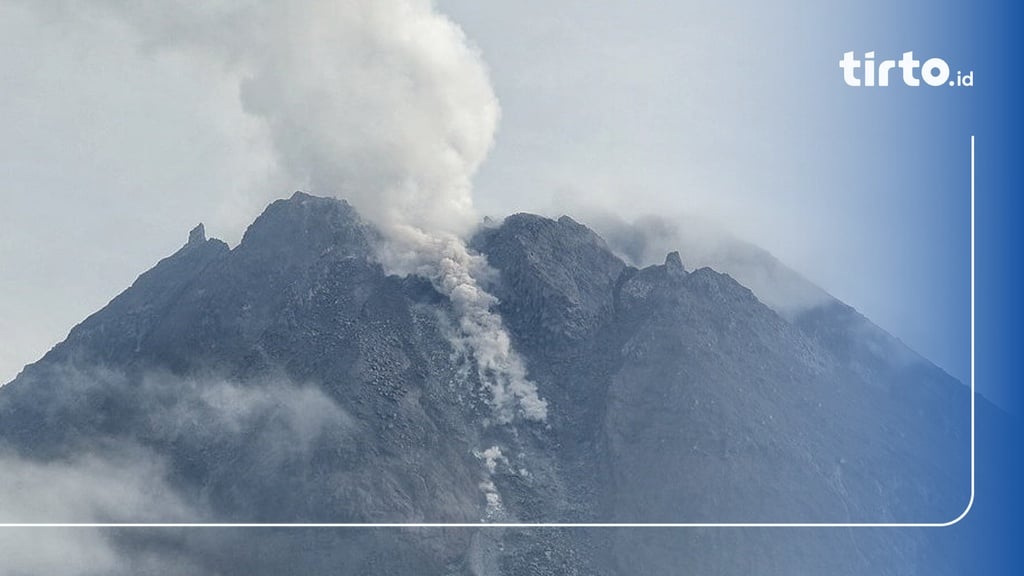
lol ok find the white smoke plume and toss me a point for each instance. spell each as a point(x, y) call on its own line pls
point(700, 243)
point(381, 102)
point(453, 269)
point(492, 457)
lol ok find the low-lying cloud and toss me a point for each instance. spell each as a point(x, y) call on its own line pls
point(116, 482)
point(120, 465)
point(101, 477)
point(647, 240)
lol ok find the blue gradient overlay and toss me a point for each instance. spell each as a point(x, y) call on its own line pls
point(902, 155)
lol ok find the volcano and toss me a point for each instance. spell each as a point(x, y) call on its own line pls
point(292, 379)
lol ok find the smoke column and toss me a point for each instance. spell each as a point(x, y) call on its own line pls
point(381, 102)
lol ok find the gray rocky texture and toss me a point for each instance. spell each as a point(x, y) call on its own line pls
point(292, 379)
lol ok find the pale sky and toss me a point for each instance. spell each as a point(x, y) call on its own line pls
point(112, 149)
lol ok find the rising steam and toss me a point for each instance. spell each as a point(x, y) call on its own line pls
point(381, 102)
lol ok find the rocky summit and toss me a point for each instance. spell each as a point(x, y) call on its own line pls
point(293, 379)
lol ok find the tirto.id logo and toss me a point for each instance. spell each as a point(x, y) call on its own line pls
point(933, 71)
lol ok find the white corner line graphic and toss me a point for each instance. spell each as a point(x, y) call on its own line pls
point(514, 525)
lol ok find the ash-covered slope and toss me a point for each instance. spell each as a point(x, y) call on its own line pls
point(292, 379)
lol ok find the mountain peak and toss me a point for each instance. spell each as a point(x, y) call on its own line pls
point(293, 380)
point(560, 270)
point(305, 226)
point(674, 264)
point(197, 235)
point(300, 196)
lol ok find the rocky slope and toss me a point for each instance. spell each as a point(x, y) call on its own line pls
point(291, 379)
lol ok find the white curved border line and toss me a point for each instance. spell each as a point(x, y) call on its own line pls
point(967, 509)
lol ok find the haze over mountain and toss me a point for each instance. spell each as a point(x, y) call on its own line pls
point(292, 379)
